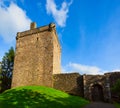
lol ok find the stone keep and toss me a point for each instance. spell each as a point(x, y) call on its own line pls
point(37, 57)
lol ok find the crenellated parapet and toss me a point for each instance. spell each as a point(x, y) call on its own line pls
point(34, 30)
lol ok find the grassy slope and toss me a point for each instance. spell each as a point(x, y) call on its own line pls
point(39, 97)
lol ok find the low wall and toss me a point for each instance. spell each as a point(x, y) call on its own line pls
point(71, 83)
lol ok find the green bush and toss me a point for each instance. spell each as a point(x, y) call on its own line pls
point(116, 91)
point(117, 105)
point(116, 87)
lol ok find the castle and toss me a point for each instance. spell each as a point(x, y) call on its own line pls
point(37, 62)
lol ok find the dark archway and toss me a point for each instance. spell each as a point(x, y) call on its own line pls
point(97, 92)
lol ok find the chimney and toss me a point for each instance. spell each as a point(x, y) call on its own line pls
point(32, 25)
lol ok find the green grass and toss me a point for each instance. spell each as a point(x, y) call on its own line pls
point(39, 97)
point(117, 105)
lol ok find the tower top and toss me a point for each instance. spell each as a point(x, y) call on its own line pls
point(34, 29)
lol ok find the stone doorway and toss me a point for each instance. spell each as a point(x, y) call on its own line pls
point(97, 92)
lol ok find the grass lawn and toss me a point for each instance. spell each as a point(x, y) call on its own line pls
point(39, 97)
point(117, 105)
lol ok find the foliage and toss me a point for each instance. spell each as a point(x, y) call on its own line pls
point(117, 105)
point(0, 75)
point(39, 97)
point(116, 91)
point(116, 87)
point(6, 70)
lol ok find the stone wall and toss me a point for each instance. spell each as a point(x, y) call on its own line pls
point(56, 53)
point(34, 57)
point(113, 77)
point(71, 83)
point(101, 80)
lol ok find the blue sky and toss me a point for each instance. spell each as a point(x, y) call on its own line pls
point(88, 30)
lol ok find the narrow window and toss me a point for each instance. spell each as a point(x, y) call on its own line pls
point(37, 38)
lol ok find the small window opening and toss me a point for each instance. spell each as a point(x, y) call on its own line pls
point(37, 38)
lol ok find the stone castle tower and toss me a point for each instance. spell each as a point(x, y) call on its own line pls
point(37, 62)
point(37, 56)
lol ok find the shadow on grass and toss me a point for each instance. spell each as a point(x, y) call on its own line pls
point(30, 99)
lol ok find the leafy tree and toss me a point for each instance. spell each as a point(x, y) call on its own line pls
point(116, 88)
point(7, 69)
point(0, 75)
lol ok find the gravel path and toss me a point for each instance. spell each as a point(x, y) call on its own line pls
point(99, 105)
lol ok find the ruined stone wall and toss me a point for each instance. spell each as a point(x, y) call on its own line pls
point(91, 80)
point(33, 63)
point(113, 77)
point(71, 83)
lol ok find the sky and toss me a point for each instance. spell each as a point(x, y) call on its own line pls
point(88, 30)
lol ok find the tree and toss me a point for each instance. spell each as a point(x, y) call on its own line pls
point(0, 75)
point(116, 89)
point(7, 69)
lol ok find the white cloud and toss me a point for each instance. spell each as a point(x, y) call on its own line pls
point(82, 69)
point(60, 15)
point(12, 20)
point(115, 70)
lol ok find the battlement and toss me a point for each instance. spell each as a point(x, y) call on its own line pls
point(49, 27)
